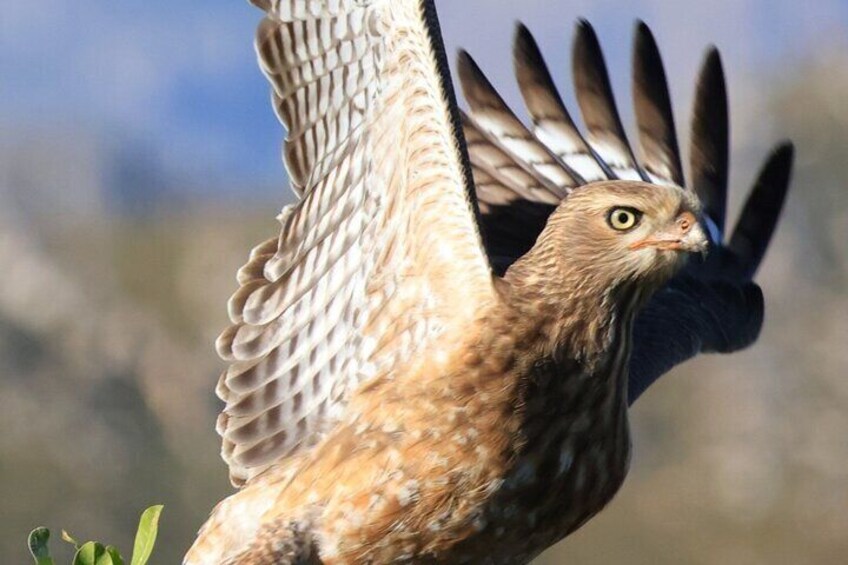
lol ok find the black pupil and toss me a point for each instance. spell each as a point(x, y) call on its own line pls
point(623, 217)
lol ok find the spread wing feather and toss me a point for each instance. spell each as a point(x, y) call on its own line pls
point(381, 252)
point(710, 144)
point(652, 105)
point(504, 176)
point(501, 128)
point(762, 209)
point(597, 104)
point(509, 158)
point(514, 166)
point(552, 123)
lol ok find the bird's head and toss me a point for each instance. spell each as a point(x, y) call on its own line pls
point(620, 231)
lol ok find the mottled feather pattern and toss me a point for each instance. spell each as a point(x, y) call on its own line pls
point(503, 171)
point(294, 328)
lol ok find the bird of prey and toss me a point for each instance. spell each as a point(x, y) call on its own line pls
point(431, 362)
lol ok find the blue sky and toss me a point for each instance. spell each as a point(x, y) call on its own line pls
point(180, 77)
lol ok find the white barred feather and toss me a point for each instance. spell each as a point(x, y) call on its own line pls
point(379, 255)
point(552, 124)
point(514, 163)
point(509, 176)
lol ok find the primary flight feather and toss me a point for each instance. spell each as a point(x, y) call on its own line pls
point(399, 391)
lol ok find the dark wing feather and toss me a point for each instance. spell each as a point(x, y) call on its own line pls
point(510, 230)
point(503, 129)
point(713, 306)
point(597, 103)
point(759, 217)
point(552, 123)
point(710, 143)
point(689, 317)
point(652, 104)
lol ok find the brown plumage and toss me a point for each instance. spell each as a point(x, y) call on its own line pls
point(504, 435)
point(390, 397)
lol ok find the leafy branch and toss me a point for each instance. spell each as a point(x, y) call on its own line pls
point(95, 553)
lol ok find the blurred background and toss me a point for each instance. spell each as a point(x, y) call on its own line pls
point(139, 162)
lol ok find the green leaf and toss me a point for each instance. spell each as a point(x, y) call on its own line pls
point(92, 553)
point(38, 539)
point(105, 558)
point(115, 555)
point(68, 538)
point(145, 537)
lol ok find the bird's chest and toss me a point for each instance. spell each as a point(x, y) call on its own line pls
point(495, 473)
point(573, 457)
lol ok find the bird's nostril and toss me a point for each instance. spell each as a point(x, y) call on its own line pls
point(685, 221)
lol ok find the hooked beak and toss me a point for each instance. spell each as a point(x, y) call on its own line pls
point(685, 234)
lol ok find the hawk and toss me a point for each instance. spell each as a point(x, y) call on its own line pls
point(433, 360)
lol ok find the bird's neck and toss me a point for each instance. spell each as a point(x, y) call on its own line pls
point(579, 316)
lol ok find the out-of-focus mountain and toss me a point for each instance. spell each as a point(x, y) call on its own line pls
point(79, 175)
point(111, 297)
point(33, 168)
point(103, 407)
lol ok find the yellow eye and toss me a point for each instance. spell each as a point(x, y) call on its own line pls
point(623, 219)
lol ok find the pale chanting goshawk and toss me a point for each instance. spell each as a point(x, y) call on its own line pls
point(431, 362)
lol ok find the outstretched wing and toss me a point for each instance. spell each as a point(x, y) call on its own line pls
point(713, 305)
point(381, 254)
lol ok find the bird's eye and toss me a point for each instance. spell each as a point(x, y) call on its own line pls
point(623, 219)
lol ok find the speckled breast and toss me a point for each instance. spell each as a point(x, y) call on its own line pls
point(574, 458)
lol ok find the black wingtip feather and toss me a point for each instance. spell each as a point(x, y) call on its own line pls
point(652, 104)
point(595, 97)
point(586, 54)
point(522, 30)
point(709, 152)
point(586, 46)
point(530, 68)
point(541, 96)
point(583, 24)
point(463, 59)
point(526, 50)
point(761, 212)
point(471, 78)
point(475, 86)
